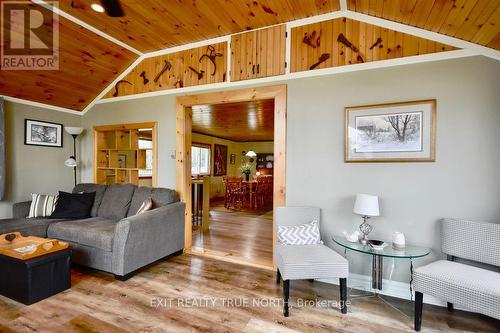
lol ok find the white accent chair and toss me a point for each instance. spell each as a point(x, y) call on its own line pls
point(307, 262)
point(474, 288)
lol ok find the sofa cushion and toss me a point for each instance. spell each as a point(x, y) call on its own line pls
point(475, 288)
point(116, 201)
point(74, 205)
point(94, 232)
point(160, 196)
point(99, 193)
point(27, 226)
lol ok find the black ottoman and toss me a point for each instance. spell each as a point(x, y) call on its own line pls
point(30, 281)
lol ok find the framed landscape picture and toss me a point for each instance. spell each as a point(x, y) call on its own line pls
point(398, 132)
point(220, 160)
point(41, 133)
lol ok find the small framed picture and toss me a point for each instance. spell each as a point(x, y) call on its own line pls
point(398, 132)
point(42, 133)
point(232, 160)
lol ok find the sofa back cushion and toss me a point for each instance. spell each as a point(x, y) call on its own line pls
point(159, 196)
point(476, 241)
point(116, 201)
point(99, 193)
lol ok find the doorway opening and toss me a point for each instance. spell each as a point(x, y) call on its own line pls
point(222, 137)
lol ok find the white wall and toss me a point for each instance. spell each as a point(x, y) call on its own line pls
point(463, 182)
point(34, 169)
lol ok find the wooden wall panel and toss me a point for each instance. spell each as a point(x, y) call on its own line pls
point(477, 21)
point(180, 61)
point(362, 35)
point(258, 54)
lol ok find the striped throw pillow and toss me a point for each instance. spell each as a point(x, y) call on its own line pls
point(302, 234)
point(145, 206)
point(42, 205)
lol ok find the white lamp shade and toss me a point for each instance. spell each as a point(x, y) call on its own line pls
point(366, 205)
point(251, 153)
point(74, 130)
point(70, 162)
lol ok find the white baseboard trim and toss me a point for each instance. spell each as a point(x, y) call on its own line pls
point(389, 288)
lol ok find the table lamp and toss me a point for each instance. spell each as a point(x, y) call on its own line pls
point(367, 206)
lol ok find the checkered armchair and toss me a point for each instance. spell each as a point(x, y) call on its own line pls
point(471, 287)
point(307, 262)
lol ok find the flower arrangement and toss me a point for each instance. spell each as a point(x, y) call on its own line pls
point(246, 169)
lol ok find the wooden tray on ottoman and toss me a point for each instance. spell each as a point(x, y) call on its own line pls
point(34, 275)
point(25, 248)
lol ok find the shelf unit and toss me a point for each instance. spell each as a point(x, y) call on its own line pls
point(117, 156)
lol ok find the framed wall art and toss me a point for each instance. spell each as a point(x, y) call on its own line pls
point(220, 160)
point(42, 133)
point(397, 132)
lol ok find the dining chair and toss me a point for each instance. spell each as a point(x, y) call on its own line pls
point(233, 193)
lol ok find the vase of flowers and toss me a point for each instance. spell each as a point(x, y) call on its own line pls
point(246, 170)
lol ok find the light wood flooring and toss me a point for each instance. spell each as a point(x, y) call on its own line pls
point(238, 235)
point(98, 303)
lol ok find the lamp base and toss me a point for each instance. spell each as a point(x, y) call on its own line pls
point(365, 229)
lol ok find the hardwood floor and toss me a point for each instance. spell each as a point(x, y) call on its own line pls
point(238, 235)
point(155, 300)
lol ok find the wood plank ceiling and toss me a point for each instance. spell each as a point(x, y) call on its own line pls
point(157, 24)
point(243, 122)
point(476, 21)
point(87, 64)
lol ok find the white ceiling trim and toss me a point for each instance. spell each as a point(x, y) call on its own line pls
point(59, 12)
point(343, 5)
point(39, 105)
point(298, 75)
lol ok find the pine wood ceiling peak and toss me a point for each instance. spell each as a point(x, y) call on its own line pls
point(158, 24)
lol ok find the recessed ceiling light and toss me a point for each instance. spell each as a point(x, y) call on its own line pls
point(97, 7)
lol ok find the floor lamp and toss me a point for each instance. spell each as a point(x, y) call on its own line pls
point(71, 161)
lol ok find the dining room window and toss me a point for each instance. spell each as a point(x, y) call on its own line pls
point(200, 159)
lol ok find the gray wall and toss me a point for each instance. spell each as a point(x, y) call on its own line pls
point(34, 169)
point(463, 182)
point(160, 109)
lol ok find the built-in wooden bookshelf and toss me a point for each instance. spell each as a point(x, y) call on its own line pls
point(117, 156)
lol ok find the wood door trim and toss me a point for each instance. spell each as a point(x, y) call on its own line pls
point(183, 143)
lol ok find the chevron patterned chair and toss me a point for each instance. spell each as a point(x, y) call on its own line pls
point(307, 262)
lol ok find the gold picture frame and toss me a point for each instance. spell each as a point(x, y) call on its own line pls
point(393, 132)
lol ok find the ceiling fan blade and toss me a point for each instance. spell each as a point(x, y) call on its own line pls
point(113, 8)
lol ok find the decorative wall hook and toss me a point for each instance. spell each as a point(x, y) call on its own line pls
point(117, 84)
point(342, 39)
point(211, 55)
point(324, 57)
point(378, 41)
point(311, 39)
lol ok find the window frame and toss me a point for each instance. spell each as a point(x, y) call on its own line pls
point(209, 147)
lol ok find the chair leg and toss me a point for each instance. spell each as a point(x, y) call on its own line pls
point(286, 295)
point(343, 295)
point(419, 300)
point(278, 276)
point(450, 306)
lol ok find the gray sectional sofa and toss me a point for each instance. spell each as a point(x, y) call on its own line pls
point(114, 239)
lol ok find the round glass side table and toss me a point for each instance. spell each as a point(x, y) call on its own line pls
point(409, 252)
